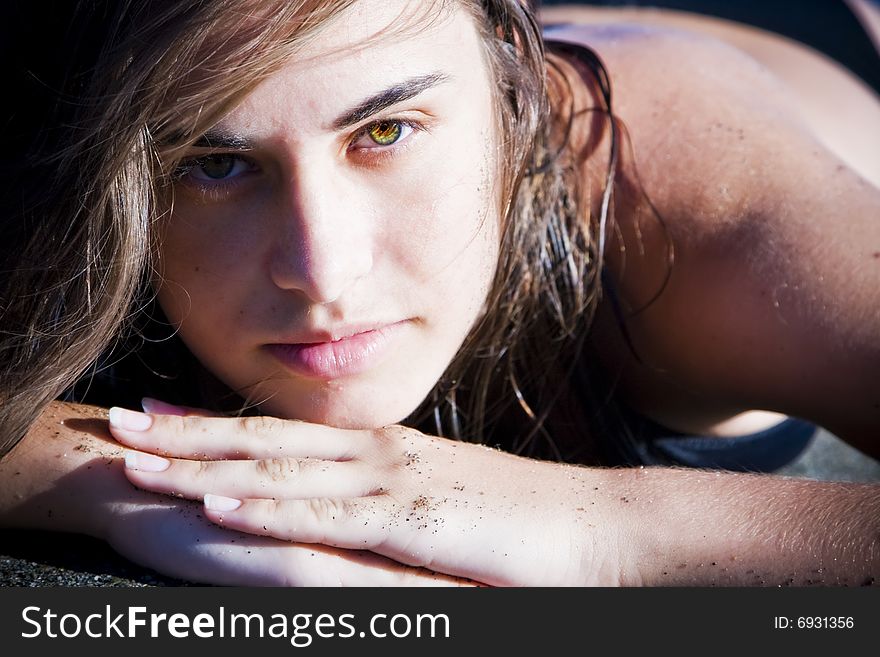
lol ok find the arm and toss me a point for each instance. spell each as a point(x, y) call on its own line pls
point(480, 513)
point(67, 475)
point(67, 450)
point(710, 528)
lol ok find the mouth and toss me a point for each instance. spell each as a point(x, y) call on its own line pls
point(338, 353)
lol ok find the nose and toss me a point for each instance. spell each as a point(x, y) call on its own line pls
point(324, 243)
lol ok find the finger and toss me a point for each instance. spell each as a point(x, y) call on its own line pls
point(352, 523)
point(415, 536)
point(282, 477)
point(192, 549)
point(158, 407)
point(211, 438)
point(275, 564)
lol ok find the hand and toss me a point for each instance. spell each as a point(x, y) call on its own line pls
point(451, 507)
point(174, 538)
point(67, 475)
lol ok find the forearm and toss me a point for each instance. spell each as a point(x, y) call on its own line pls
point(60, 474)
point(708, 528)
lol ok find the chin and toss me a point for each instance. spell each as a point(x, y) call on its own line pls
point(336, 412)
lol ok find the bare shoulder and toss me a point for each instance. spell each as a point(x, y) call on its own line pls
point(699, 70)
point(770, 301)
point(694, 110)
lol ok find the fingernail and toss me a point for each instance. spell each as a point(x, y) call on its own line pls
point(220, 503)
point(157, 407)
point(122, 418)
point(145, 462)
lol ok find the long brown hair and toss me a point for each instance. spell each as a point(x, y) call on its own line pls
point(511, 379)
point(164, 73)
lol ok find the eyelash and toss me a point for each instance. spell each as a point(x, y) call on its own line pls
point(380, 154)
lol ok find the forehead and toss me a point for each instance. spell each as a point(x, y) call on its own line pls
point(372, 23)
point(371, 45)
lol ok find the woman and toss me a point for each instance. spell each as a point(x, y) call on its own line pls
point(369, 250)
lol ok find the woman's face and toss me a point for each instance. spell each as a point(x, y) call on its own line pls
point(333, 239)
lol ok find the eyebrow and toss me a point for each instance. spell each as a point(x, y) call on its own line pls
point(386, 98)
point(223, 139)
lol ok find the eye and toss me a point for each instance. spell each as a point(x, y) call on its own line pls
point(385, 133)
point(215, 168)
point(382, 134)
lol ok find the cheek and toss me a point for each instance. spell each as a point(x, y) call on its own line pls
point(445, 232)
point(200, 263)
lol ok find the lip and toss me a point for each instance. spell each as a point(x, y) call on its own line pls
point(337, 353)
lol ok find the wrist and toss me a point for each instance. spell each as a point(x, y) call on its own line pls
point(605, 526)
point(657, 528)
point(624, 527)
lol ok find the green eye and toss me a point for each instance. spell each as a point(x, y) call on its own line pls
point(385, 133)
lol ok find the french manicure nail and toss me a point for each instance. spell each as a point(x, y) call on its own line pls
point(157, 407)
point(122, 418)
point(220, 503)
point(145, 462)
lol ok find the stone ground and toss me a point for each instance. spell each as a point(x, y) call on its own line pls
point(32, 559)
